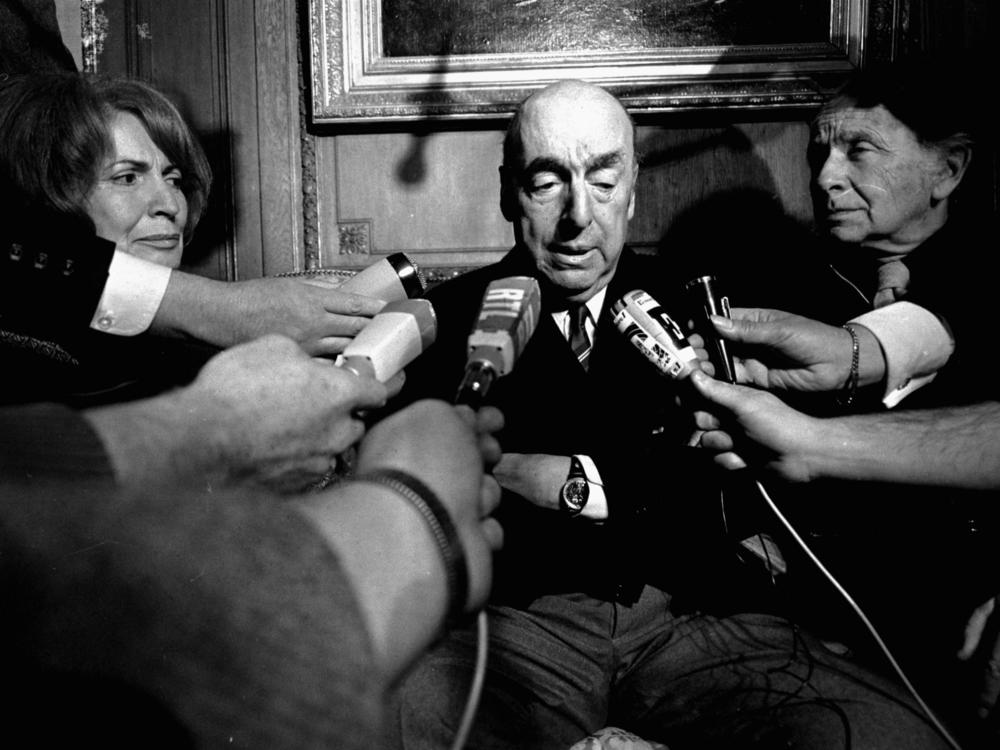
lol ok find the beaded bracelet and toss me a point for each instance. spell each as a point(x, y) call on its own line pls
point(846, 398)
point(442, 528)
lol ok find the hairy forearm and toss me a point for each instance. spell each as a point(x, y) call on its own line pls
point(956, 447)
point(166, 440)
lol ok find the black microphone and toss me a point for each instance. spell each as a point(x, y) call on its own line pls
point(394, 277)
point(507, 319)
point(396, 336)
point(705, 299)
point(654, 333)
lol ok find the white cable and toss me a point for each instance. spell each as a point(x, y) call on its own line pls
point(476, 690)
point(860, 613)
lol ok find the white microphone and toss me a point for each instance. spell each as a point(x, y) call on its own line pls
point(396, 336)
point(641, 319)
point(395, 277)
point(507, 319)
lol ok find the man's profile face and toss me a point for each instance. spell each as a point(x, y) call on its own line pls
point(873, 181)
point(572, 194)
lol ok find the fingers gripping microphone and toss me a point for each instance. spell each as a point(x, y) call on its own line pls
point(394, 338)
point(641, 319)
point(395, 277)
point(507, 319)
point(704, 296)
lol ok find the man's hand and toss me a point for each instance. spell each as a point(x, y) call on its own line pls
point(782, 351)
point(451, 449)
point(322, 319)
point(264, 412)
point(537, 477)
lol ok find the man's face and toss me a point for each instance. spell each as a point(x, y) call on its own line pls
point(573, 193)
point(873, 181)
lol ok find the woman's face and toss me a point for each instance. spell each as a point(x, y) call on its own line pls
point(137, 201)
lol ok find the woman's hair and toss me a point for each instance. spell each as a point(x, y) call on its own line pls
point(55, 133)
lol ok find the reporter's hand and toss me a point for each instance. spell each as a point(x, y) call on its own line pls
point(982, 638)
point(536, 477)
point(700, 348)
point(782, 351)
point(263, 412)
point(322, 319)
point(284, 415)
point(451, 449)
point(752, 426)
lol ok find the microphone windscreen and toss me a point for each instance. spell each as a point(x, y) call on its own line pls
point(507, 319)
point(396, 336)
point(642, 320)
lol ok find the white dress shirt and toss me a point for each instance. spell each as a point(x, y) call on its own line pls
point(916, 345)
point(132, 295)
point(596, 508)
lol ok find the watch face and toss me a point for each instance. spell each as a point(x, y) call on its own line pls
point(575, 493)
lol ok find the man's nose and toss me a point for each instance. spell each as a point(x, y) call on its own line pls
point(831, 177)
point(577, 210)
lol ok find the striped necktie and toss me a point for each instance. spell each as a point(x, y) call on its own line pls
point(579, 340)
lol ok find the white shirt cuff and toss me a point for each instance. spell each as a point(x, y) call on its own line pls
point(916, 345)
point(131, 296)
point(596, 508)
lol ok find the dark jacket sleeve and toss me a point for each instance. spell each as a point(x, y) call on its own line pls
point(51, 283)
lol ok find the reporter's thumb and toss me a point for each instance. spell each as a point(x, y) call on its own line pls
point(741, 331)
point(716, 391)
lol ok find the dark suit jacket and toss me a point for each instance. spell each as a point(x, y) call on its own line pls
point(51, 280)
point(663, 525)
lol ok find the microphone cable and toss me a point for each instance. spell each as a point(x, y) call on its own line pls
point(476, 689)
point(937, 724)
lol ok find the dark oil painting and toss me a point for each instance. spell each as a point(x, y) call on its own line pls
point(415, 28)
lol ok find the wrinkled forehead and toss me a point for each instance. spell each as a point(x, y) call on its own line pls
point(576, 125)
point(842, 118)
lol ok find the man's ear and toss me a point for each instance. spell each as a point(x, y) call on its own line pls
point(955, 161)
point(508, 194)
point(631, 200)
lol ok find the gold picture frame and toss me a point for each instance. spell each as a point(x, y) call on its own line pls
point(355, 79)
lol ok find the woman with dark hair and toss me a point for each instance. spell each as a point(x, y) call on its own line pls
point(111, 160)
point(101, 186)
point(103, 149)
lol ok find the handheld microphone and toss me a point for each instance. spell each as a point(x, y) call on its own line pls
point(507, 319)
point(395, 277)
point(394, 338)
point(641, 319)
point(703, 293)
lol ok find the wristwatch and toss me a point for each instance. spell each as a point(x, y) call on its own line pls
point(575, 490)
